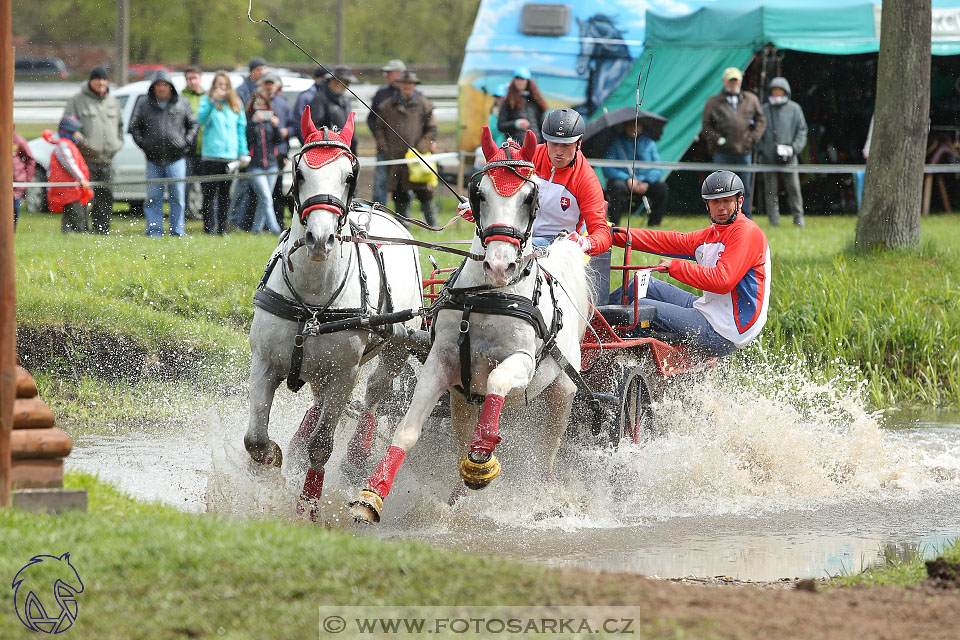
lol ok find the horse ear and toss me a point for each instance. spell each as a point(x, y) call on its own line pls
point(529, 146)
point(346, 134)
point(306, 124)
point(487, 144)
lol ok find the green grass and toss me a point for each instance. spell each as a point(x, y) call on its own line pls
point(902, 572)
point(893, 316)
point(150, 571)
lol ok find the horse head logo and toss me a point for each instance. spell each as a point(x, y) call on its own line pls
point(604, 59)
point(41, 576)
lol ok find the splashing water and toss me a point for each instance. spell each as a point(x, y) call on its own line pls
point(757, 459)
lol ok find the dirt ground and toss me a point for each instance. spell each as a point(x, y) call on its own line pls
point(727, 608)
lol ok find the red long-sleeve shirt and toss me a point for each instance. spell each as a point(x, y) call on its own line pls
point(732, 269)
point(569, 197)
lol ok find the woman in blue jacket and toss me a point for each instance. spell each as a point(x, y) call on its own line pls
point(223, 148)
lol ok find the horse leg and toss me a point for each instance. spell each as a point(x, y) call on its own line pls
point(433, 381)
point(320, 444)
point(263, 385)
point(297, 450)
point(557, 402)
point(479, 467)
point(463, 416)
point(390, 363)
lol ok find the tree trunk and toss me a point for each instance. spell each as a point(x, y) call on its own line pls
point(893, 185)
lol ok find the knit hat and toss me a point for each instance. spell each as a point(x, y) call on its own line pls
point(99, 73)
point(256, 61)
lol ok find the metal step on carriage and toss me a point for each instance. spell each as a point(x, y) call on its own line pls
point(626, 365)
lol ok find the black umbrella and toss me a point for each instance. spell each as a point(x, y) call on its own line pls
point(600, 130)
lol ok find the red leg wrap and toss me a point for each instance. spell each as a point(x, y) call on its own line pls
point(485, 437)
point(358, 449)
point(307, 426)
point(382, 479)
point(312, 486)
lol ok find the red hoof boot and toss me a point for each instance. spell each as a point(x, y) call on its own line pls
point(310, 496)
point(299, 441)
point(358, 449)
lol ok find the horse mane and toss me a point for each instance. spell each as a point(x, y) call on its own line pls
point(568, 264)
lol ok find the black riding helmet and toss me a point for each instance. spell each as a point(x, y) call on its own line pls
point(722, 184)
point(563, 125)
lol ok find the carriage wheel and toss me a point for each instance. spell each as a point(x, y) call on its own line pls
point(636, 419)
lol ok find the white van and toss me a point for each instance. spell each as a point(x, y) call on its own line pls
point(129, 165)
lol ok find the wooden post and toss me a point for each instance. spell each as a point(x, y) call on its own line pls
point(8, 301)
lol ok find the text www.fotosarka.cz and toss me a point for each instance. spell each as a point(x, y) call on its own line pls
point(478, 621)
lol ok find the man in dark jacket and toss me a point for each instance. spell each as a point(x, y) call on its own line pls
point(101, 139)
point(305, 98)
point(732, 123)
point(784, 139)
point(272, 85)
point(165, 128)
point(331, 105)
point(391, 73)
point(411, 115)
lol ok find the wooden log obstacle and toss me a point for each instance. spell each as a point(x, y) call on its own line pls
point(37, 450)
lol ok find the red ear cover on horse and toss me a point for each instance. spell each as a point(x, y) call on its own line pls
point(529, 146)
point(346, 134)
point(487, 144)
point(306, 124)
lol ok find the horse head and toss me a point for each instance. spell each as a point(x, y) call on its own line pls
point(325, 178)
point(504, 203)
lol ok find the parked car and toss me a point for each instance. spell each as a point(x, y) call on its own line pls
point(129, 165)
point(141, 70)
point(39, 67)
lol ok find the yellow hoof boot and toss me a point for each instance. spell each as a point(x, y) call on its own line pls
point(367, 507)
point(477, 475)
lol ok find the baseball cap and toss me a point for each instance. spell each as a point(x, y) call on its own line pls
point(500, 90)
point(271, 76)
point(394, 65)
point(409, 76)
point(522, 72)
point(256, 61)
point(732, 73)
point(344, 73)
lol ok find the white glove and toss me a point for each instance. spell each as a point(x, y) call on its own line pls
point(721, 141)
point(233, 166)
point(582, 241)
point(784, 150)
point(464, 209)
point(244, 160)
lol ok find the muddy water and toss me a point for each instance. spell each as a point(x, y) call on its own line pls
point(743, 484)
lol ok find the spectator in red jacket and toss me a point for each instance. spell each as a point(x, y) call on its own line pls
point(67, 165)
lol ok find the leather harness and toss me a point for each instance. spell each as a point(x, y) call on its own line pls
point(318, 319)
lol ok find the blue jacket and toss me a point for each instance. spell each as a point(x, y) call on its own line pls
point(224, 131)
point(303, 100)
point(621, 148)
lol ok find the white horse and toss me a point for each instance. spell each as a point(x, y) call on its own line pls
point(503, 311)
point(314, 279)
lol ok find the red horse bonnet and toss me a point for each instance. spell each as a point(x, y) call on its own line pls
point(504, 180)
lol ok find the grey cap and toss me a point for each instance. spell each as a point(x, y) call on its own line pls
point(256, 61)
point(271, 76)
point(394, 65)
point(344, 73)
point(409, 76)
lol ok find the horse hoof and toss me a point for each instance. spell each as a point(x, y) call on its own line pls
point(367, 507)
point(477, 474)
point(308, 507)
point(272, 457)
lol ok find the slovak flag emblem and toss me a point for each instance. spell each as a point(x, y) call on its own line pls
point(564, 203)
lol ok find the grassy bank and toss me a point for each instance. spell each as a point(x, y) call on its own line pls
point(128, 308)
point(901, 572)
point(150, 571)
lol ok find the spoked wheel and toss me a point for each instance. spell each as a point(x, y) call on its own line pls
point(636, 419)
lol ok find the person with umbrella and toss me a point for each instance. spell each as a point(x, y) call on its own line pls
point(633, 144)
point(629, 134)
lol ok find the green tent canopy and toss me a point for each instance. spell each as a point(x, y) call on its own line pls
point(691, 51)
